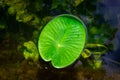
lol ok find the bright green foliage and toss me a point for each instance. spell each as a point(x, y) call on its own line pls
point(62, 40)
point(31, 52)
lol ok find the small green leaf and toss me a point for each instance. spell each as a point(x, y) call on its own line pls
point(86, 53)
point(62, 40)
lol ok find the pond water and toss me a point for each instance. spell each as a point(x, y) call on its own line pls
point(112, 59)
point(110, 9)
point(13, 66)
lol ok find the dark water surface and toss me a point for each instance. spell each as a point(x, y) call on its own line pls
point(22, 70)
point(110, 9)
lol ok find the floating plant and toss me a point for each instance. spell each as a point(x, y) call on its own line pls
point(62, 40)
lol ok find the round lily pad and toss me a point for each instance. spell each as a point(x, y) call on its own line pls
point(62, 40)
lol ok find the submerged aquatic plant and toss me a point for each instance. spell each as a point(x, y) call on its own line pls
point(92, 55)
point(30, 51)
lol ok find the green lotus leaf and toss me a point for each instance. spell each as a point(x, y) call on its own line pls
point(62, 40)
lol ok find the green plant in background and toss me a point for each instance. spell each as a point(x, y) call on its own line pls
point(2, 26)
point(62, 41)
point(95, 51)
point(30, 51)
point(23, 11)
